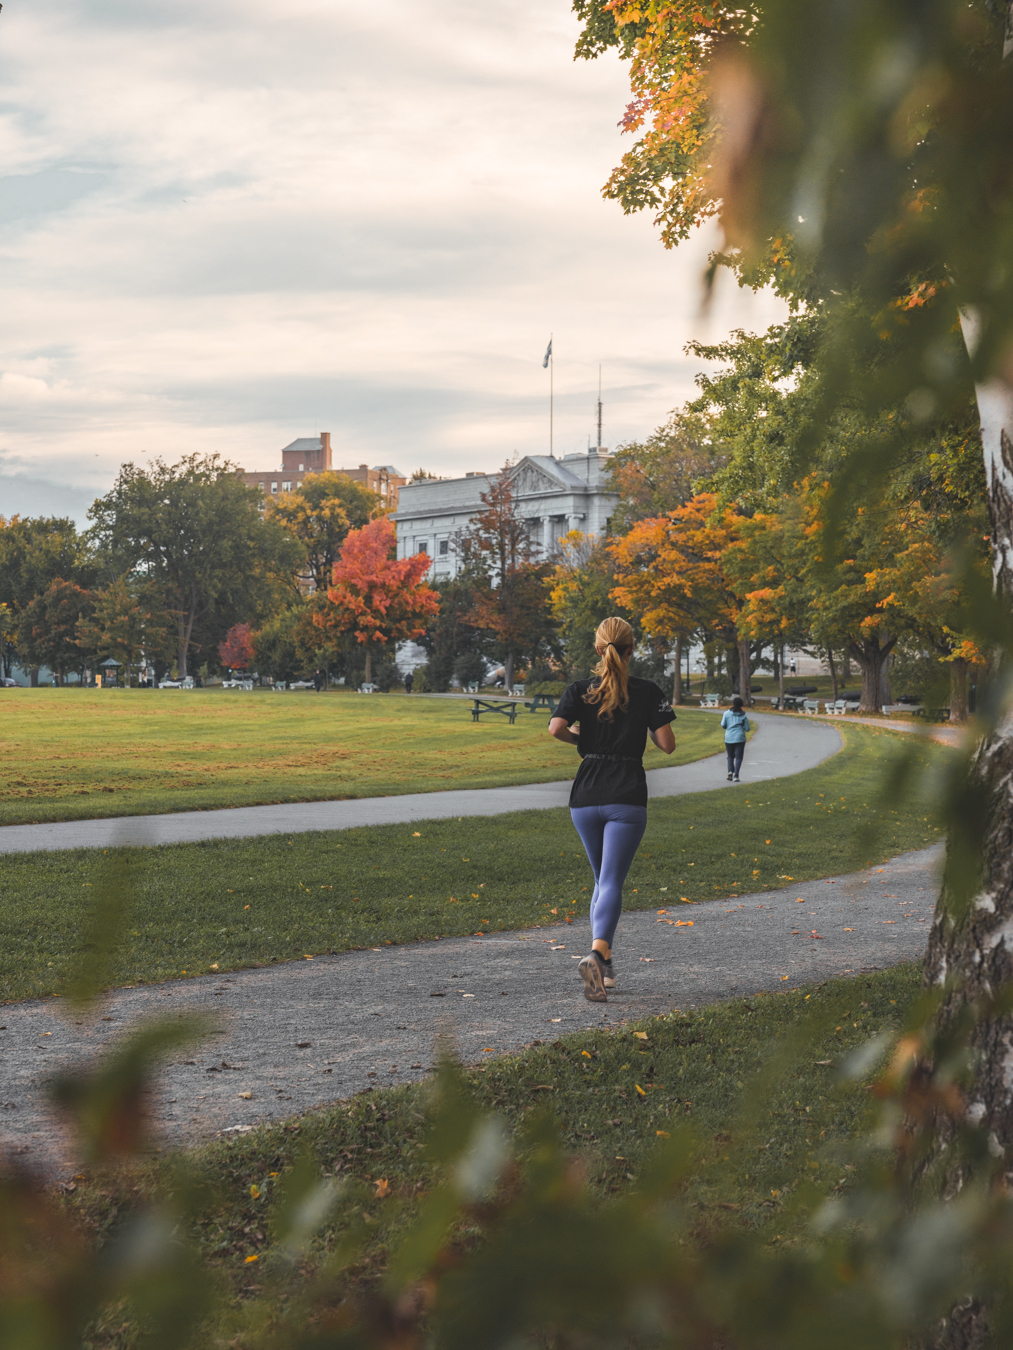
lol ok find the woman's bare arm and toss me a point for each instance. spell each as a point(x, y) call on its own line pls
point(664, 738)
point(558, 727)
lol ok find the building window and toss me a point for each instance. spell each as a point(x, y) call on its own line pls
point(444, 547)
point(261, 486)
point(421, 546)
point(286, 487)
point(302, 468)
point(274, 487)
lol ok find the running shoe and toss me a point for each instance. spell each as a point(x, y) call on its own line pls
point(591, 970)
point(608, 975)
point(729, 778)
point(735, 779)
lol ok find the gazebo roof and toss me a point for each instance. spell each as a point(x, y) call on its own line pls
point(110, 662)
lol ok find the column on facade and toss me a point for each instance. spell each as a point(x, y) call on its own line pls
point(546, 534)
point(573, 521)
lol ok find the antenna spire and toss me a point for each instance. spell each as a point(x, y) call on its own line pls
point(599, 407)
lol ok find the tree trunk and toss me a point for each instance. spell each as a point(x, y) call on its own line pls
point(508, 673)
point(745, 676)
point(833, 672)
point(677, 682)
point(870, 656)
point(33, 677)
point(885, 690)
point(970, 945)
point(958, 691)
point(780, 677)
point(369, 667)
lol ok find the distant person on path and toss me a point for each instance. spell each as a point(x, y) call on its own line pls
point(791, 667)
point(409, 680)
point(608, 800)
point(736, 724)
point(318, 680)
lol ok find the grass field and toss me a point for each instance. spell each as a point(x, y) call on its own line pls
point(252, 901)
point(72, 754)
point(752, 1078)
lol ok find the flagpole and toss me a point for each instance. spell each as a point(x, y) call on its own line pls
point(552, 359)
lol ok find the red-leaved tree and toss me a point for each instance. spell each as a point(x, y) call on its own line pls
point(377, 596)
point(236, 651)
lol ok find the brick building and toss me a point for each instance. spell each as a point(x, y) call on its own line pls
point(312, 454)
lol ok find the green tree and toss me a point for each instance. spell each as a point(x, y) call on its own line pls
point(196, 531)
point(47, 630)
point(319, 514)
point(125, 621)
point(580, 595)
point(665, 470)
point(34, 553)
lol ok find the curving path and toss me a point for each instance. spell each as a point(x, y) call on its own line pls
point(309, 1033)
point(781, 746)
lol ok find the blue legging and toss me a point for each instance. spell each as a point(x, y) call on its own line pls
point(611, 836)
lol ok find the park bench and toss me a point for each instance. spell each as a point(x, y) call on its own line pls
point(933, 714)
point(543, 701)
point(483, 705)
point(810, 706)
point(710, 701)
point(238, 684)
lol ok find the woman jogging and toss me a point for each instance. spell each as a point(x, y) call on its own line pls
point(736, 724)
point(608, 800)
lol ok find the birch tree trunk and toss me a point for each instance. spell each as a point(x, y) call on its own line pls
point(677, 681)
point(971, 944)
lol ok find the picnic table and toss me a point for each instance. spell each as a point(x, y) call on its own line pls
point(543, 701)
point(484, 705)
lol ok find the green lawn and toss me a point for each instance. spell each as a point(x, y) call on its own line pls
point(752, 1078)
point(72, 754)
point(246, 902)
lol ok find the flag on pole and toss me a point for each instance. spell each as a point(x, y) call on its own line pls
point(548, 353)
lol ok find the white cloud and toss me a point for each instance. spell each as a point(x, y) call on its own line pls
point(230, 224)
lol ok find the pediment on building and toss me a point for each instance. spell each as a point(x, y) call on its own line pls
point(528, 479)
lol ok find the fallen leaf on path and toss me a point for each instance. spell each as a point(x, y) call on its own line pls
point(438, 995)
point(647, 958)
point(543, 1087)
point(663, 1133)
point(640, 1035)
point(246, 1096)
point(249, 1259)
point(640, 1090)
point(382, 1189)
point(684, 923)
point(303, 1045)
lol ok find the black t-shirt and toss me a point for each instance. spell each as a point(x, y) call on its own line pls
point(619, 779)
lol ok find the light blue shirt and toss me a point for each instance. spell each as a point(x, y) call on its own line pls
point(736, 724)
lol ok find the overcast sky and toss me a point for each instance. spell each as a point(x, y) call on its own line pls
point(229, 224)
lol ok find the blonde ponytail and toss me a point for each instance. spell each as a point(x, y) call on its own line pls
point(614, 642)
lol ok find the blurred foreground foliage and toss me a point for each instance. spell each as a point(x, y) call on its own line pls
point(482, 1213)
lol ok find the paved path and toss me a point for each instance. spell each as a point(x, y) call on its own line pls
point(309, 1033)
point(781, 746)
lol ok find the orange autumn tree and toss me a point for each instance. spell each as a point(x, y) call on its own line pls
point(671, 573)
point(377, 596)
point(670, 45)
point(236, 651)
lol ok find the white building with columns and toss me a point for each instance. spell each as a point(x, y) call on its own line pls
point(553, 496)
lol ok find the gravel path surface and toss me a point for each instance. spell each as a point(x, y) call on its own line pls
point(301, 1035)
point(781, 746)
